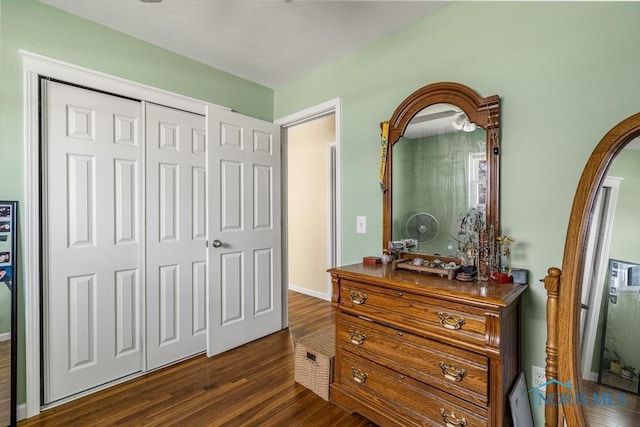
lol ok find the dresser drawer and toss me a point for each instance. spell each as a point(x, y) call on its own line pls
point(459, 372)
point(397, 392)
point(449, 321)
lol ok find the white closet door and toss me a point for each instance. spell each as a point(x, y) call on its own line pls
point(245, 300)
point(92, 261)
point(176, 183)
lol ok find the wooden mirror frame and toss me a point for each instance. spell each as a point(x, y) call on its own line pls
point(564, 290)
point(484, 112)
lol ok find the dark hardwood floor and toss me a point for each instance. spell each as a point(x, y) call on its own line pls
point(5, 382)
point(250, 385)
point(625, 414)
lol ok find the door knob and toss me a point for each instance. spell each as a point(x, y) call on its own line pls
point(216, 243)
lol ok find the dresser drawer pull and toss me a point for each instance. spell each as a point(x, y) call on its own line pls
point(399, 293)
point(451, 373)
point(358, 375)
point(450, 321)
point(450, 420)
point(358, 297)
point(356, 337)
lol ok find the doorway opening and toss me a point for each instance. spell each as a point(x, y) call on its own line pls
point(311, 198)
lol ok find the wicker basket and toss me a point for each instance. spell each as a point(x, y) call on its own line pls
point(314, 358)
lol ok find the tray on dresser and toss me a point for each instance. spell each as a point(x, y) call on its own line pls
point(407, 264)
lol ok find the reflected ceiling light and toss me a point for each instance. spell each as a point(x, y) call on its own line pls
point(469, 127)
point(462, 123)
point(459, 121)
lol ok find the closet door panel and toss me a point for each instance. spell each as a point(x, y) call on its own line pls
point(91, 239)
point(176, 235)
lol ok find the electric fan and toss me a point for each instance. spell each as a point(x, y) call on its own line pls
point(422, 226)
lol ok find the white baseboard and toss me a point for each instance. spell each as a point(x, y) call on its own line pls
point(21, 412)
point(590, 376)
point(312, 293)
point(5, 337)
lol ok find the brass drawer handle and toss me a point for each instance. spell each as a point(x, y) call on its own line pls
point(358, 375)
point(358, 297)
point(356, 337)
point(450, 321)
point(451, 373)
point(450, 420)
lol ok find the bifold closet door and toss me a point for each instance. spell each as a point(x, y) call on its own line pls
point(92, 231)
point(176, 265)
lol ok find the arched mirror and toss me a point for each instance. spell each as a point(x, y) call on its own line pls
point(442, 163)
point(593, 310)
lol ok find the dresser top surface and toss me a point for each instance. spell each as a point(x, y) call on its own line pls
point(432, 285)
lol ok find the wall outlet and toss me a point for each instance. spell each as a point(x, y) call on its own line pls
point(538, 376)
point(361, 224)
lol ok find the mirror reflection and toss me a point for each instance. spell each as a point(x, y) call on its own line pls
point(610, 318)
point(439, 176)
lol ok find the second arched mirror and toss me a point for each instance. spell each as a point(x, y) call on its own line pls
point(593, 333)
point(442, 163)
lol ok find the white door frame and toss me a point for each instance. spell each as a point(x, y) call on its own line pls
point(595, 301)
point(332, 106)
point(332, 213)
point(34, 66)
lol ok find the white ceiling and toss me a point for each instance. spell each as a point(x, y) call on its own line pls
point(269, 42)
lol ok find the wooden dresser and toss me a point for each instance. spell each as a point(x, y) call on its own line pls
point(417, 349)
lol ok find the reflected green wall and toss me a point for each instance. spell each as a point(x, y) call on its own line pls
point(566, 74)
point(5, 309)
point(431, 175)
point(626, 228)
point(622, 332)
point(35, 27)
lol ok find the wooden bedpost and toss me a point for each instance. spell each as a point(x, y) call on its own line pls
point(552, 285)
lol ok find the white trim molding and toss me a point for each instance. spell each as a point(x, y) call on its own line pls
point(310, 292)
point(60, 70)
point(35, 66)
point(597, 277)
point(311, 113)
point(332, 106)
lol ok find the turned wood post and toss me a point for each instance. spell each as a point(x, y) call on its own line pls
point(552, 285)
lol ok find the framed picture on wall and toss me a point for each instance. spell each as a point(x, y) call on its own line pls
point(7, 243)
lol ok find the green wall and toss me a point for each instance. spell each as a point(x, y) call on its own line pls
point(566, 73)
point(38, 28)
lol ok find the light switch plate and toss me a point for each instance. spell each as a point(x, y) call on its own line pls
point(361, 224)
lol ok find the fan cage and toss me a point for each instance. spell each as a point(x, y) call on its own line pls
point(422, 226)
